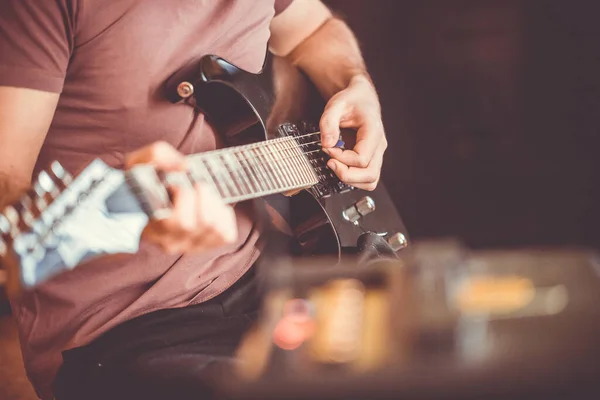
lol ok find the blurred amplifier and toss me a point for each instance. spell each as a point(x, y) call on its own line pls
point(442, 322)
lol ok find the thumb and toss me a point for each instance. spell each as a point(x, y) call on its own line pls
point(330, 123)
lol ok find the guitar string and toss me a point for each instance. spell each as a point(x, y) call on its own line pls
point(261, 145)
point(214, 177)
point(262, 159)
point(261, 155)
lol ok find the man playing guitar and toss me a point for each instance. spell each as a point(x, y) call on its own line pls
point(81, 80)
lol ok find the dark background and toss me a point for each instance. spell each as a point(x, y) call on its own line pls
point(492, 110)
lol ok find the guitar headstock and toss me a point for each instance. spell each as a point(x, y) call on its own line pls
point(62, 222)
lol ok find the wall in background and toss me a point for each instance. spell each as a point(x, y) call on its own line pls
point(492, 113)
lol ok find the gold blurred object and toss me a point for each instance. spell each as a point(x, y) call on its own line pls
point(339, 307)
point(256, 348)
point(494, 295)
point(375, 348)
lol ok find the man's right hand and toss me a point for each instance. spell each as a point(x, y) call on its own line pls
point(200, 219)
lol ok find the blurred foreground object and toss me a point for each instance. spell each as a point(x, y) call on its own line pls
point(4, 305)
point(442, 322)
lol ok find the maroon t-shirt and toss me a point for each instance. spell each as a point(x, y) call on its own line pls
point(109, 59)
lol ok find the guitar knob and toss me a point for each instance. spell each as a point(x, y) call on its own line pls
point(361, 208)
point(397, 242)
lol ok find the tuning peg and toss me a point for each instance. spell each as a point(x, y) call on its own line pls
point(12, 215)
point(38, 195)
point(4, 225)
point(26, 205)
point(59, 172)
point(4, 232)
point(47, 184)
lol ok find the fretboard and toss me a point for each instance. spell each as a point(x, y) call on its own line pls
point(255, 170)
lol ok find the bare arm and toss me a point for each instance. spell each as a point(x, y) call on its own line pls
point(25, 116)
point(325, 48)
point(320, 44)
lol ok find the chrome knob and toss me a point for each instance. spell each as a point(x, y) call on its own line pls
point(363, 207)
point(397, 241)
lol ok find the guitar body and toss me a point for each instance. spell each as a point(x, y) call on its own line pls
point(279, 101)
point(269, 123)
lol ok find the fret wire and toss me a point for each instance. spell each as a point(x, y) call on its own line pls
point(302, 170)
point(227, 181)
point(252, 171)
point(295, 159)
point(298, 155)
point(305, 168)
point(277, 158)
point(282, 165)
point(267, 167)
point(292, 161)
point(290, 172)
point(273, 165)
point(242, 172)
point(198, 176)
point(205, 176)
point(221, 186)
point(199, 166)
point(262, 144)
point(311, 165)
point(262, 167)
point(230, 168)
point(288, 144)
point(301, 163)
point(256, 165)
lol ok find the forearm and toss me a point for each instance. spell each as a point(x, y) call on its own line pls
point(331, 57)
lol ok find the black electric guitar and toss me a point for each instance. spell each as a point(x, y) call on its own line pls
point(268, 121)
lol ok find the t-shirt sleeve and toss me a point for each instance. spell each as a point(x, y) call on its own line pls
point(36, 42)
point(281, 5)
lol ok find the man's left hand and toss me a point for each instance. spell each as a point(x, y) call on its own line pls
point(356, 107)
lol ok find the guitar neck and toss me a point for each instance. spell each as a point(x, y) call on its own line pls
point(255, 170)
